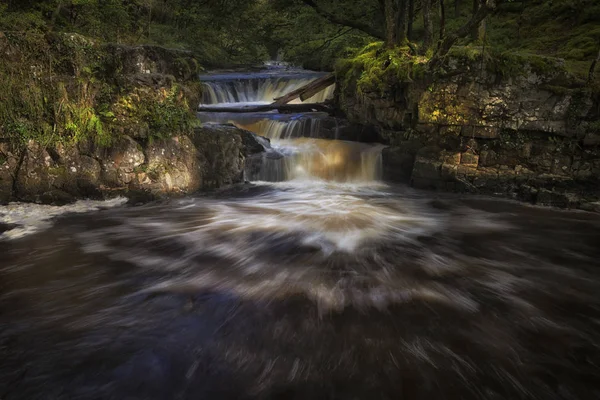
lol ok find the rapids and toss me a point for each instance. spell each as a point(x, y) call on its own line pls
point(316, 280)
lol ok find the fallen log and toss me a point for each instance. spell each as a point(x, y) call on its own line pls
point(307, 91)
point(282, 108)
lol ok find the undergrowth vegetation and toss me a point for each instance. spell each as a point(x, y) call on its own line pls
point(56, 90)
point(377, 68)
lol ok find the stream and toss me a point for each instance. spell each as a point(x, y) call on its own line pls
point(315, 280)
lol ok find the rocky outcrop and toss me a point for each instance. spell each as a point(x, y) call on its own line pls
point(91, 120)
point(150, 60)
point(213, 156)
point(530, 133)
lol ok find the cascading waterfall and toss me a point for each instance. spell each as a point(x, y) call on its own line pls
point(296, 137)
point(284, 129)
point(257, 91)
point(319, 159)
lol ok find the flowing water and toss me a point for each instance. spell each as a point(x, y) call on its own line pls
point(314, 281)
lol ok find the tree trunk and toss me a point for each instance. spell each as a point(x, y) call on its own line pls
point(593, 68)
point(487, 6)
point(402, 13)
point(391, 23)
point(479, 30)
point(411, 18)
point(456, 8)
point(396, 21)
point(442, 19)
point(428, 25)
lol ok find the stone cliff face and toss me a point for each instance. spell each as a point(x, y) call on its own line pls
point(531, 133)
point(212, 156)
point(93, 121)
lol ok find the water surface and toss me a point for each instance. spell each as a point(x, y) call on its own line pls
point(315, 281)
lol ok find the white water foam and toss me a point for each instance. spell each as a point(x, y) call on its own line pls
point(30, 218)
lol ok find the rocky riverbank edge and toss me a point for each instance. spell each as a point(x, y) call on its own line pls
point(518, 126)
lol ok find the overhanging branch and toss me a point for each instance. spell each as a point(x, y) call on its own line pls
point(336, 19)
point(444, 46)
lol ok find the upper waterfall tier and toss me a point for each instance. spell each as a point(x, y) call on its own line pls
point(258, 88)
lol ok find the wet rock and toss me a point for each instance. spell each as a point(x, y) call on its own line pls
point(56, 197)
point(120, 161)
point(136, 197)
point(556, 199)
point(38, 173)
point(506, 131)
point(427, 168)
point(7, 227)
point(480, 132)
point(593, 206)
point(469, 158)
point(397, 164)
point(253, 143)
point(222, 150)
point(9, 163)
point(172, 166)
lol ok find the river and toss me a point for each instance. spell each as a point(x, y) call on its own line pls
point(316, 280)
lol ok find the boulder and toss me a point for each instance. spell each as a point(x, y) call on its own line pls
point(222, 150)
point(9, 163)
point(38, 173)
point(120, 162)
point(172, 166)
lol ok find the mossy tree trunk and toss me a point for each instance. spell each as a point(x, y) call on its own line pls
point(402, 21)
point(444, 46)
point(427, 25)
point(411, 18)
point(390, 23)
point(442, 19)
point(396, 22)
point(478, 31)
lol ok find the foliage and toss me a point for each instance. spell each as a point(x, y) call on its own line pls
point(65, 95)
point(222, 32)
point(377, 68)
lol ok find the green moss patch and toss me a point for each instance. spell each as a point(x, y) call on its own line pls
point(377, 69)
point(60, 88)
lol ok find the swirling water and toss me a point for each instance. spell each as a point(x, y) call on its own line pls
point(327, 285)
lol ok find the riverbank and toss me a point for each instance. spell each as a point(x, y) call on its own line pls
point(83, 119)
point(509, 124)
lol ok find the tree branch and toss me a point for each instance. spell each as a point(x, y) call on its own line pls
point(593, 68)
point(444, 46)
point(331, 17)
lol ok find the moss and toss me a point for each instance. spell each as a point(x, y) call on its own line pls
point(376, 69)
point(57, 89)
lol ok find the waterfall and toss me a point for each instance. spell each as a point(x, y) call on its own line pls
point(284, 129)
point(261, 90)
point(299, 150)
point(328, 160)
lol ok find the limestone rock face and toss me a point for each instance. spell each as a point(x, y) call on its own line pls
point(223, 150)
point(147, 59)
point(120, 162)
point(172, 166)
point(9, 162)
point(37, 174)
point(470, 129)
point(215, 155)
